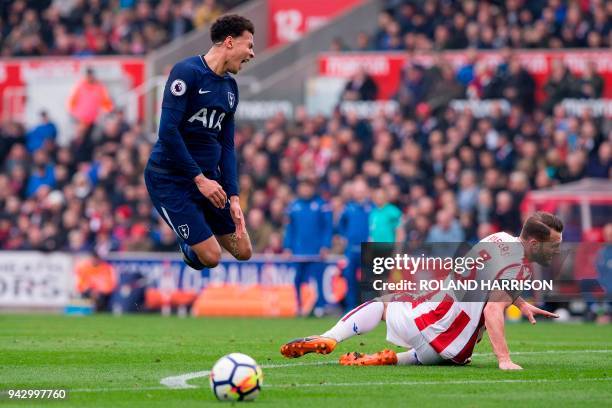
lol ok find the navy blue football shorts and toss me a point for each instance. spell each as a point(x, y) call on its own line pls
point(179, 202)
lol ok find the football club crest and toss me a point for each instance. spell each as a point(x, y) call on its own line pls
point(184, 230)
point(178, 87)
point(231, 99)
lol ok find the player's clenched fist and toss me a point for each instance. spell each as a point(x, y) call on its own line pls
point(211, 190)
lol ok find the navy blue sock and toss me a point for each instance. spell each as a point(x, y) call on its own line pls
point(190, 254)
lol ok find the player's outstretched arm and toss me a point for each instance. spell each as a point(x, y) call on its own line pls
point(494, 322)
point(530, 311)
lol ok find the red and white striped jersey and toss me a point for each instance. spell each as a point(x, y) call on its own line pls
point(453, 327)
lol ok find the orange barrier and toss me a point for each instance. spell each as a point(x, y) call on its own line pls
point(240, 300)
point(183, 298)
point(156, 299)
point(254, 300)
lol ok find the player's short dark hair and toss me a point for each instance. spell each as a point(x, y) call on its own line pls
point(230, 25)
point(539, 224)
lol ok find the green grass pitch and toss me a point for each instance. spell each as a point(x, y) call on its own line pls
point(119, 362)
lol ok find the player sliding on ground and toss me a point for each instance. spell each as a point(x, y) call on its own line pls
point(191, 175)
point(439, 329)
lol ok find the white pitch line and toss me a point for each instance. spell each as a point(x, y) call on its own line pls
point(464, 382)
point(377, 384)
point(180, 381)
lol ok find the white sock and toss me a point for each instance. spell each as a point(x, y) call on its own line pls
point(407, 358)
point(362, 319)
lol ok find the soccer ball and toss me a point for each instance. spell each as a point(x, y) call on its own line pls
point(236, 377)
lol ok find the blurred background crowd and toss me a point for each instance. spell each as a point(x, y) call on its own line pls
point(99, 27)
point(451, 175)
point(439, 173)
point(425, 171)
point(135, 27)
point(452, 25)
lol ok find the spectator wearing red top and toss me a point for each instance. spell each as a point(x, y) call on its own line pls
point(88, 99)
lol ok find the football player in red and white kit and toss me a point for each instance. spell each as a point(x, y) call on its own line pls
point(443, 328)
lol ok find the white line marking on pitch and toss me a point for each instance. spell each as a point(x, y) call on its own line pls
point(180, 381)
point(465, 382)
point(361, 384)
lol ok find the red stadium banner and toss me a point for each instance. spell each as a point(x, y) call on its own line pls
point(28, 85)
point(290, 19)
point(386, 67)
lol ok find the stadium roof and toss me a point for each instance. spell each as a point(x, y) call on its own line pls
point(590, 190)
point(584, 193)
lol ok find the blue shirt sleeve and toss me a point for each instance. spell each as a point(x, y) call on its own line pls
point(328, 224)
point(342, 227)
point(289, 230)
point(228, 163)
point(176, 95)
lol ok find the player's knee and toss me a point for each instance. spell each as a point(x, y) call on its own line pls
point(245, 254)
point(210, 260)
point(211, 257)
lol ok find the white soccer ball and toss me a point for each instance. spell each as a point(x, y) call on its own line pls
point(236, 377)
point(564, 315)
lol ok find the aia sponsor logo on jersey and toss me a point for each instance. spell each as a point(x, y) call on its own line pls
point(208, 118)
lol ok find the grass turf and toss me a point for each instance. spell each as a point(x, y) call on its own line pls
point(119, 362)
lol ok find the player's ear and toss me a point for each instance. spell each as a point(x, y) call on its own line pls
point(229, 41)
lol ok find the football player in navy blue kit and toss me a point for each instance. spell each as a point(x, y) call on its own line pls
point(191, 175)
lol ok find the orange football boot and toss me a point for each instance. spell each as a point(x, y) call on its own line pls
point(313, 344)
point(385, 357)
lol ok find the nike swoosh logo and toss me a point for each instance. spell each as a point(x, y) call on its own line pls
point(201, 92)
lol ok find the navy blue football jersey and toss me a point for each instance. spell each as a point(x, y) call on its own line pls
point(201, 105)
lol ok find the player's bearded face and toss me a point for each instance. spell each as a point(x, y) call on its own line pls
point(241, 52)
point(545, 252)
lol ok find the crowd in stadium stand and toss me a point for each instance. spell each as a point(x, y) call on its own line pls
point(99, 27)
point(452, 175)
point(438, 85)
point(450, 24)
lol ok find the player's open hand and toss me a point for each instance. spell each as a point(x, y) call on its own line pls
point(509, 365)
point(211, 190)
point(530, 311)
point(238, 217)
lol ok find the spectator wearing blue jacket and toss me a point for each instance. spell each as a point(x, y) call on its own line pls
point(308, 235)
point(43, 174)
point(43, 132)
point(603, 264)
point(446, 228)
point(354, 229)
point(446, 233)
